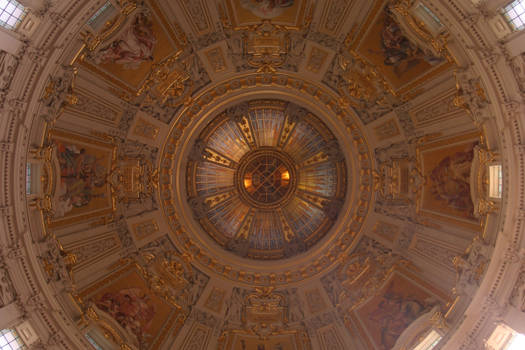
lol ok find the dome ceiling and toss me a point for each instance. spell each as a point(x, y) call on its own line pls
point(267, 184)
point(267, 175)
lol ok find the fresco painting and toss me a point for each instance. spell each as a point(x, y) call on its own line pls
point(400, 60)
point(446, 167)
point(247, 12)
point(125, 297)
point(129, 56)
point(399, 303)
point(133, 46)
point(131, 308)
point(83, 166)
point(266, 8)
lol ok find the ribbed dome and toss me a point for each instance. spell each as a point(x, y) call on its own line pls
point(267, 183)
point(262, 174)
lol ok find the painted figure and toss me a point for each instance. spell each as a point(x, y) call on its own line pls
point(80, 174)
point(451, 181)
point(134, 46)
point(398, 51)
point(394, 314)
point(131, 308)
point(266, 8)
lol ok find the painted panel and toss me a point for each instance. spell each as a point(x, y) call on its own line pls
point(126, 57)
point(248, 12)
point(446, 166)
point(82, 166)
point(399, 302)
point(398, 59)
point(126, 297)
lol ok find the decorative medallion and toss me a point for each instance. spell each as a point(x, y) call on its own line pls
point(266, 179)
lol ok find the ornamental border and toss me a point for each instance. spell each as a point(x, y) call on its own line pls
point(343, 242)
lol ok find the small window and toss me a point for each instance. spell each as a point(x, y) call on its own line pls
point(422, 13)
point(505, 338)
point(28, 179)
point(430, 341)
point(517, 342)
point(514, 12)
point(33, 179)
point(93, 342)
point(11, 13)
point(495, 181)
point(102, 16)
point(430, 13)
point(9, 340)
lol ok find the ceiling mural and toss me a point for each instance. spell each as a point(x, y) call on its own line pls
point(399, 303)
point(127, 51)
point(400, 61)
point(79, 167)
point(251, 175)
point(137, 311)
point(446, 165)
point(251, 12)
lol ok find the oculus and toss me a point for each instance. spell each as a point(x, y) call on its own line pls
point(266, 179)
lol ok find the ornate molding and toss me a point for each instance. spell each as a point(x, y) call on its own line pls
point(175, 142)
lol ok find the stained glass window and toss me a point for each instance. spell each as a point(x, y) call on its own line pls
point(278, 184)
point(514, 12)
point(267, 124)
point(9, 340)
point(228, 140)
point(319, 178)
point(11, 13)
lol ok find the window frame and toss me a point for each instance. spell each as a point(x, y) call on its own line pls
point(10, 15)
point(512, 16)
point(16, 339)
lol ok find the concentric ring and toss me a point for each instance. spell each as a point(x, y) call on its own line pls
point(266, 178)
point(209, 251)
